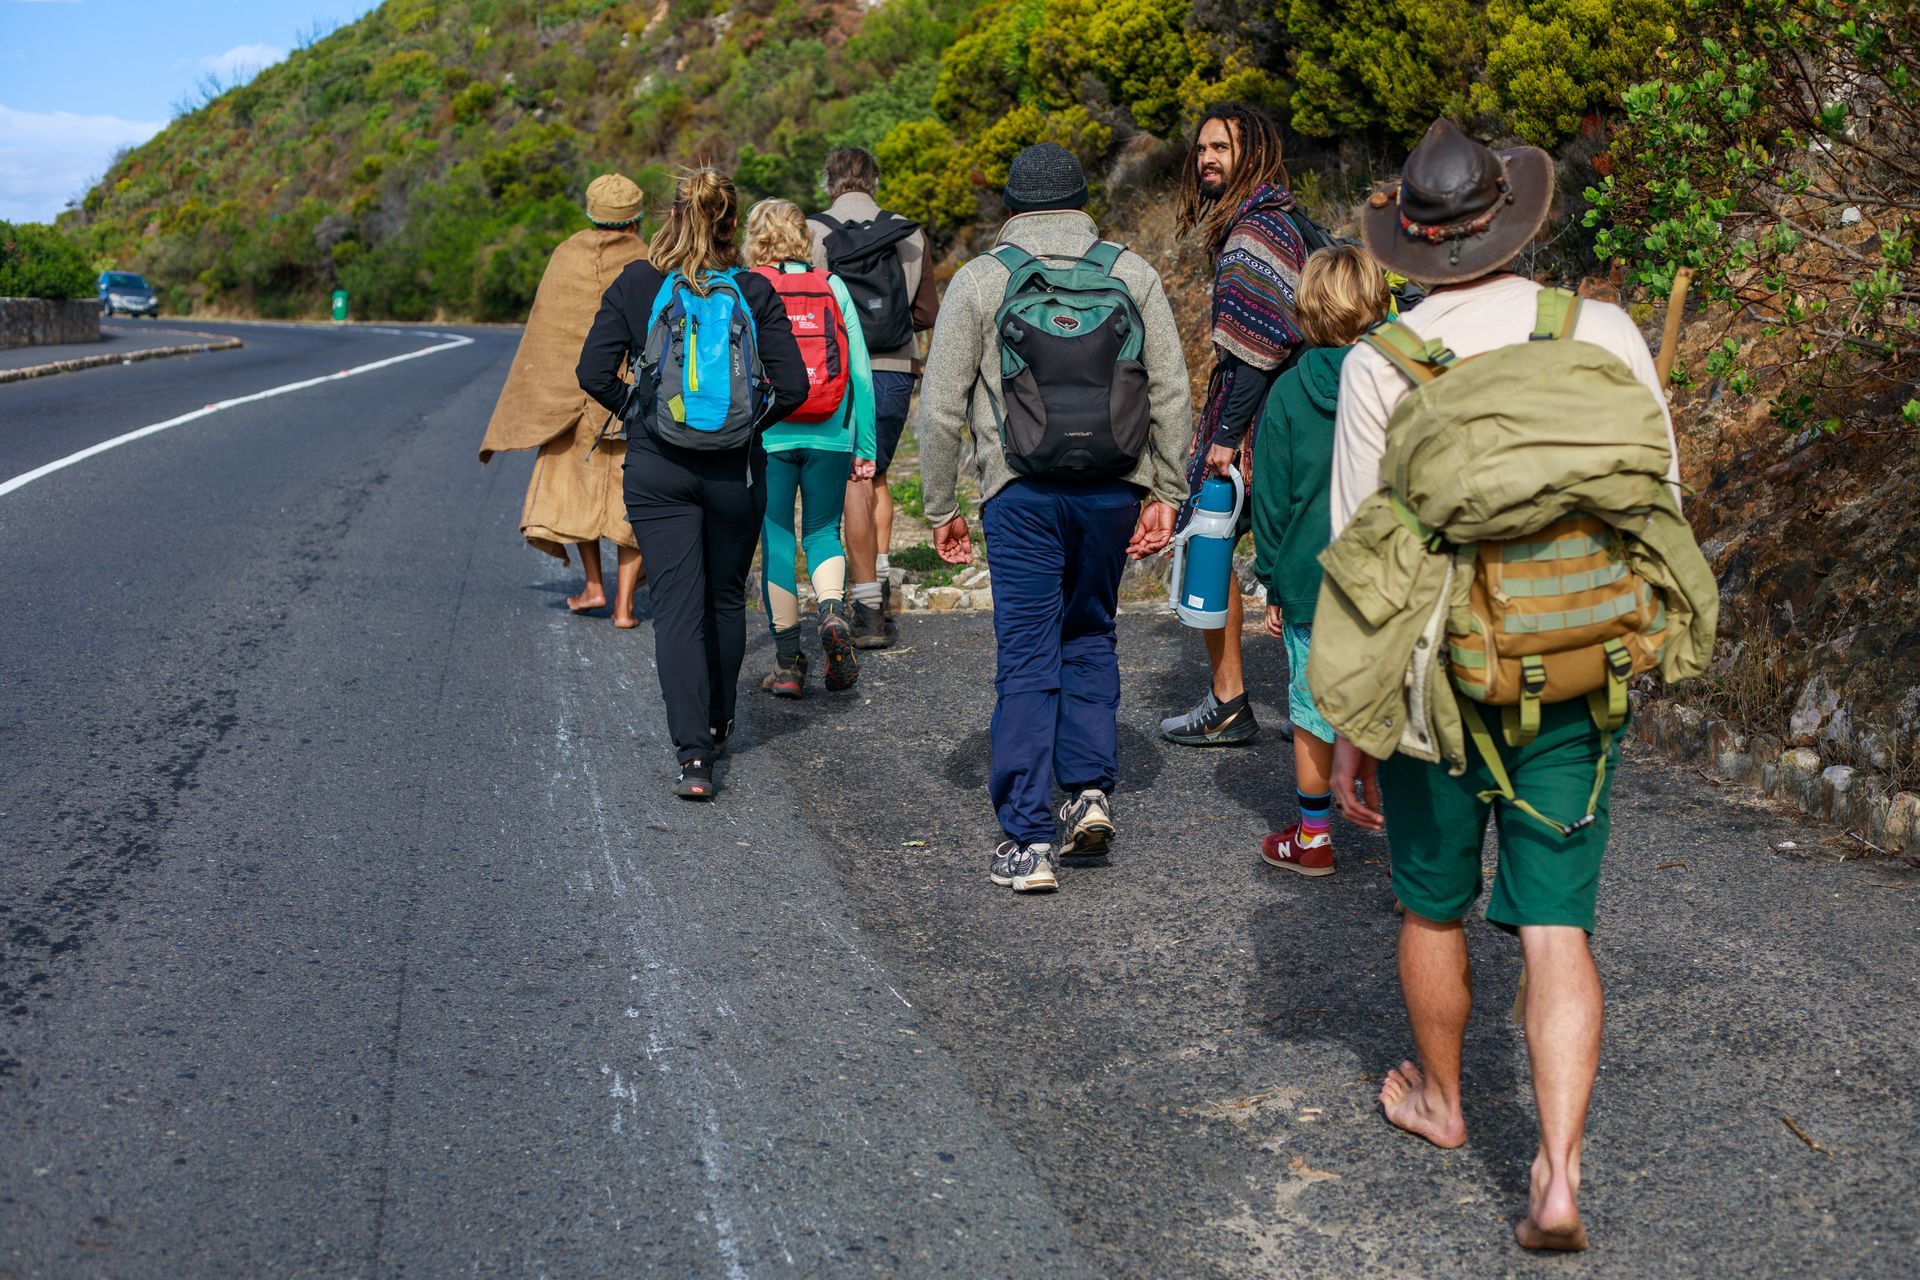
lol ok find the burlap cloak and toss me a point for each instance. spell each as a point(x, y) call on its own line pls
point(574, 495)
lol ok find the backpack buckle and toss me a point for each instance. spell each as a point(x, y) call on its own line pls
point(1533, 676)
point(1580, 823)
point(1619, 661)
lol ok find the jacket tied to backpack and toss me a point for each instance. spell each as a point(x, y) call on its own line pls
point(1525, 493)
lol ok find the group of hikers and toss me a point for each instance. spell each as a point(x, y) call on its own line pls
point(1465, 507)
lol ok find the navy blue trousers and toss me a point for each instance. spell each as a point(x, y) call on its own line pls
point(1056, 552)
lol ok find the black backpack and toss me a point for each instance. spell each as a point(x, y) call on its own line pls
point(866, 257)
point(1316, 237)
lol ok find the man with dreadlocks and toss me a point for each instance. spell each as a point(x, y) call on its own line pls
point(1234, 194)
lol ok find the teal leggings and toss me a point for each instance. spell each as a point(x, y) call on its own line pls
point(819, 477)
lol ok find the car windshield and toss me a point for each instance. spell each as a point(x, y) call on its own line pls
point(125, 280)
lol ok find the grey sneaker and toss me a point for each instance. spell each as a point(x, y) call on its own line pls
point(1025, 868)
point(1213, 723)
point(1087, 825)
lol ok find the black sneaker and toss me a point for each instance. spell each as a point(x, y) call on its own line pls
point(1213, 723)
point(696, 780)
point(1086, 825)
point(1025, 868)
point(870, 629)
point(836, 638)
point(721, 732)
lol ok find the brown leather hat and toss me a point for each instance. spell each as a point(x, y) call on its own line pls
point(1460, 209)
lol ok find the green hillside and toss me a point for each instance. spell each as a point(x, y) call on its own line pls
point(429, 156)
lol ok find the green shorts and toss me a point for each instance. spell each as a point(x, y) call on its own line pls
point(1436, 825)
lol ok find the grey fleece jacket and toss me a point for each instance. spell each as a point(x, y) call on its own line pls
point(966, 349)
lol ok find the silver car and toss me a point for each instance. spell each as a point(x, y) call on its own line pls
point(127, 293)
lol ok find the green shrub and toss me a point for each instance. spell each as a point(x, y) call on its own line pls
point(1797, 207)
point(908, 497)
point(927, 175)
point(36, 261)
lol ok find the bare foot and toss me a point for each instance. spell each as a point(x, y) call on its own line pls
point(626, 621)
point(1553, 1216)
point(587, 601)
point(1404, 1099)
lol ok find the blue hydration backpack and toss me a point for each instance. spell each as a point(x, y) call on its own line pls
point(701, 383)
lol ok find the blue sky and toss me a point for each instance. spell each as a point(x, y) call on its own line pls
point(79, 79)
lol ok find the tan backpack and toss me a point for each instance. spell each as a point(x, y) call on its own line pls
point(1558, 613)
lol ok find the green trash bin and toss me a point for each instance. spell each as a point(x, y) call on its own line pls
point(339, 306)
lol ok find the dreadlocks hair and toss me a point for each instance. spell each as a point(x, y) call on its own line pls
point(1257, 159)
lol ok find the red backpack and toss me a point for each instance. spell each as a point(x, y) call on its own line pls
point(821, 331)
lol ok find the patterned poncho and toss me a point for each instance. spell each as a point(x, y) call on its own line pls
point(1255, 279)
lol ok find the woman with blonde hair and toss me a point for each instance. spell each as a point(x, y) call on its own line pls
point(695, 504)
point(1343, 293)
point(814, 452)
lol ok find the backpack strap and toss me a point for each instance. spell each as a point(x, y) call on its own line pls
point(1418, 360)
point(1104, 254)
point(827, 220)
point(1011, 256)
point(1502, 788)
point(1556, 311)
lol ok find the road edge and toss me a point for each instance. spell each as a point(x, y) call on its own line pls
point(78, 363)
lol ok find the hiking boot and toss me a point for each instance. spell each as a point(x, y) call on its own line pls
point(871, 629)
point(1087, 825)
point(836, 638)
point(1213, 723)
point(1025, 868)
point(787, 679)
point(696, 780)
point(1309, 855)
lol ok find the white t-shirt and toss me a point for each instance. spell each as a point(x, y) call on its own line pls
point(1470, 319)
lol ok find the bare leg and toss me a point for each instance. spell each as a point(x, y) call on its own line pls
point(594, 594)
point(1438, 986)
point(858, 534)
point(882, 517)
point(1565, 1010)
point(1223, 650)
point(626, 581)
point(1312, 763)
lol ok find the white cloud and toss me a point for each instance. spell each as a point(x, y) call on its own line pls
point(48, 157)
point(243, 60)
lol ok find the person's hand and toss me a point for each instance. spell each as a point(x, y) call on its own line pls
point(1219, 458)
point(1275, 622)
point(863, 468)
point(953, 542)
point(1353, 767)
point(1154, 530)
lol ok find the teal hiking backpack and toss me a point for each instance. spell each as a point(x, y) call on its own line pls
point(701, 384)
point(1070, 344)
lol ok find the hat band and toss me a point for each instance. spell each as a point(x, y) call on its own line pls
point(1439, 232)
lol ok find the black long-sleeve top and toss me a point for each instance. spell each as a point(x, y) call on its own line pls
point(620, 329)
point(1243, 396)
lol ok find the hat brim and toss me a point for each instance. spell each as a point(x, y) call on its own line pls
point(1530, 180)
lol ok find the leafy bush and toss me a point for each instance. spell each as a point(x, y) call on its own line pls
point(36, 261)
point(907, 497)
point(1777, 158)
point(927, 175)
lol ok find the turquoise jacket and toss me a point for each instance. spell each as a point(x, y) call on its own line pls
point(851, 428)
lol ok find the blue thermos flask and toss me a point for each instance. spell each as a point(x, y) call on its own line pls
point(1202, 577)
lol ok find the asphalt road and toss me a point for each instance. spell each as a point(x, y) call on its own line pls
point(348, 929)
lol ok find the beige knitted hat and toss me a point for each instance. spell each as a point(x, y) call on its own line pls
point(614, 201)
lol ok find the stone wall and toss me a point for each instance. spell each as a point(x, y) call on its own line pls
point(1860, 800)
point(35, 322)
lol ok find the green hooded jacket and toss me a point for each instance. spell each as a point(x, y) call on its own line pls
point(1293, 480)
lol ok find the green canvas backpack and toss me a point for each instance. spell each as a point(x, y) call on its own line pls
point(1480, 457)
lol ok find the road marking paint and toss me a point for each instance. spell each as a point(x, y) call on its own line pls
point(28, 477)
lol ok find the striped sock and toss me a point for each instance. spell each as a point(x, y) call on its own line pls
point(1316, 813)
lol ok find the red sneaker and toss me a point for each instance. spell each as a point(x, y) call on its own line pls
point(1309, 855)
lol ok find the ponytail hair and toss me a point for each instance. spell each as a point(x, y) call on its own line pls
point(696, 236)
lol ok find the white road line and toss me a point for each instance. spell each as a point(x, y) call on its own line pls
point(28, 477)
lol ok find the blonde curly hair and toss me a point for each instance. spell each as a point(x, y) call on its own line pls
point(777, 232)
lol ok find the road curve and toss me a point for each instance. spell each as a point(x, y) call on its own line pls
point(346, 929)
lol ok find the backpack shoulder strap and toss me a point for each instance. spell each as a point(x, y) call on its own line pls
point(1418, 360)
point(827, 220)
point(1011, 256)
point(1104, 254)
point(664, 298)
point(1556, 311)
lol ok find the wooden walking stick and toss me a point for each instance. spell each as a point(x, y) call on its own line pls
point(1670, 334)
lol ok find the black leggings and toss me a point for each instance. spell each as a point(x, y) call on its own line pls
point(697, 519)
